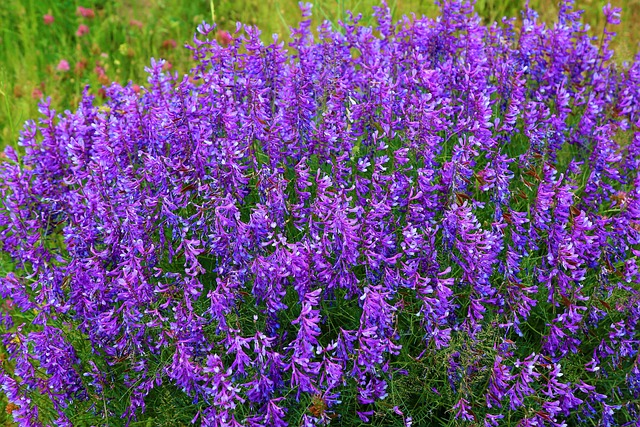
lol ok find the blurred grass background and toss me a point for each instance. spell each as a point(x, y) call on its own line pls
point(123, 34)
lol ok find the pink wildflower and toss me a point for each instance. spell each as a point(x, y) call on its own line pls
point(48, 19)
point(102, 74)
point(85, 12)
point(63, 65)
point(82, 30)
point(99, 70)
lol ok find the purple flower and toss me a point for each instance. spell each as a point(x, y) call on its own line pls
point(464, 411)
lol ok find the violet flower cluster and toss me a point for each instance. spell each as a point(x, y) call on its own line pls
point(423, 222)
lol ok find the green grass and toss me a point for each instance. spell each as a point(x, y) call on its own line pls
point(30, 50)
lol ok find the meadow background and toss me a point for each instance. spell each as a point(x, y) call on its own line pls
point(115, 39)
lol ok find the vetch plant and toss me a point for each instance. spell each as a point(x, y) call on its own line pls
point(424, 222)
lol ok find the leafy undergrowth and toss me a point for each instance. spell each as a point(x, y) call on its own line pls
point(423, 222)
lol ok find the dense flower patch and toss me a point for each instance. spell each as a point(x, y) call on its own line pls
point(425, 222)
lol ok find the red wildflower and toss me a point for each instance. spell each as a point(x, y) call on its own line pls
point(169, 44)
point(37, 93)
point(80, 66)
point(224, 37)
